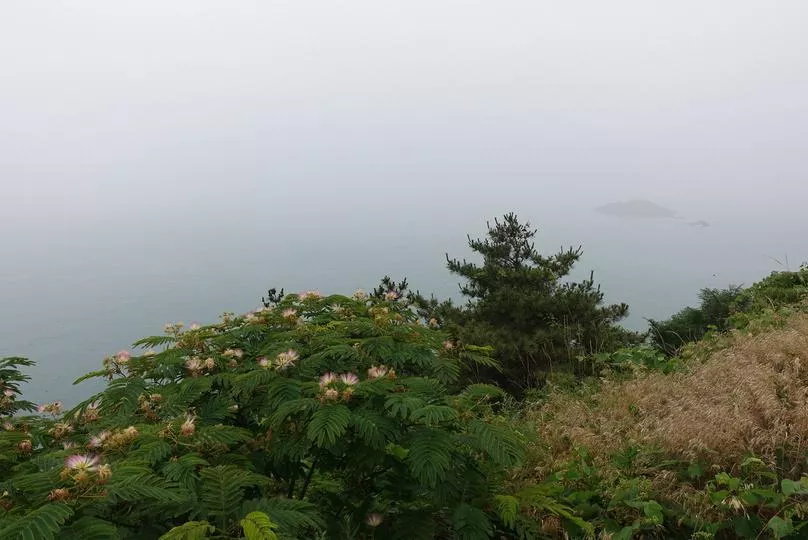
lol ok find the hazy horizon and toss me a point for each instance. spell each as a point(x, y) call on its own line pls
point(171, 161)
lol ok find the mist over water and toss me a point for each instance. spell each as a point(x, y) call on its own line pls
point(171, 162)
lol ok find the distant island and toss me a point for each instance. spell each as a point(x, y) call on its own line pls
point(638, 208)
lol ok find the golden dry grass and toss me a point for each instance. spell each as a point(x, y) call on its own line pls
point(751, 398)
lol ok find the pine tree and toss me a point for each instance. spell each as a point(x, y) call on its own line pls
point(519, 302)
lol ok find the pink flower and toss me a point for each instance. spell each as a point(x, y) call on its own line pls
point(194, 326)
point(97, 441)
point(327, 379)
point(210, 364)
point(67, 445)
point(286, 359)
point(263, 362)
point(8, 392)
point(377, 372)
point(8, 426)
point(391, 295)
point(52, 408)
point(448, 345)
point(289, 313)
point(250, 317)
point(309, 294)
point(188, 427)
point(349, 378)
point(80, 462)
point(330, 395)
point(123, 357)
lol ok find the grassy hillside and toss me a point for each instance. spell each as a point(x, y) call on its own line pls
point(710, 444)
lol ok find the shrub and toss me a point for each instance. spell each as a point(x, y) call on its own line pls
point(329, 417)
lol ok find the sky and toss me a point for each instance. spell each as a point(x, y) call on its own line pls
point(153, 153)
point(186, 106)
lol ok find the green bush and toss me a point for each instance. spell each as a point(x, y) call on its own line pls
point(314, 417)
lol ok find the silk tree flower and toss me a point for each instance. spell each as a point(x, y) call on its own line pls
point(67, 445)
point(327, 379)
point(360, 295)
point(377, 372)
point(194, 365)
point(433, 322)
point(60, 429)
point(448, 345)
point(251, 317)
point(264, 362)
point(289, 313)
point(391, 296)
point(374, 520)
point(188, 427)
point(8, 426)
point(59, 494)
point(122, 357)
point(286, 359)
point(210, 364)
point(194, 326)
point(52, 408)
point(91, 413)
point(25, 446)
point(97, 441)
point(234, 353)
point(309, 294)
point(8, 392)
point(349, 378)
point(330, 395)
point(82, 462)
point(104, 473)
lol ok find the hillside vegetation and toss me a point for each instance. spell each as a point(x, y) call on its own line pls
point(524, 413)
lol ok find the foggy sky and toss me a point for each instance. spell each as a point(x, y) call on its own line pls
point(164, 109)
point(169, 160)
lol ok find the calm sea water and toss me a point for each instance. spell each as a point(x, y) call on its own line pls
point(75, 291)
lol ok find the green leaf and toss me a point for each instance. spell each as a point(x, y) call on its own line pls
point(328, 424)
point(430, 456)
point(40, 524)
point(193, 530)
point(471, 523)
point(507, 509)
point(780, 527)
point(258, 526)
point(434, 414)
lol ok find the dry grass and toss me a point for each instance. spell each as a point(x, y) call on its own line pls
point(751, 398)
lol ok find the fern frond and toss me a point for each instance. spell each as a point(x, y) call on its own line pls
point(373, 428)
point(222, 490)
point(40, 524)
point(403, 405)
point(432, 415)
point(430, 456)
point(500, 443)
point(90, 528)
point(328, 424)
point(295, 518)
point(471, 523)
point(507, 508)
point(151, 452)
point(151, 342)
point(258, 526)
point(193, 530)
point(92, 375)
